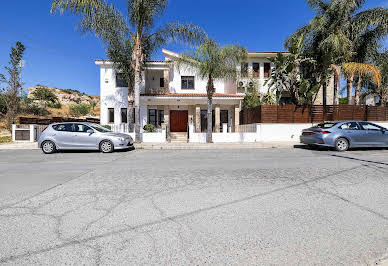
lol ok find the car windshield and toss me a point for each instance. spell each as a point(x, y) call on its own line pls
point(100, 128)
point(325, 125)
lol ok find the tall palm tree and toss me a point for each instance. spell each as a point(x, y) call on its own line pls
point(105, 20)
point(361, 70)
point(340, 32)
point(213, 62)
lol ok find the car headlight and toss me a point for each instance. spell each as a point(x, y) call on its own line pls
point(122, 139)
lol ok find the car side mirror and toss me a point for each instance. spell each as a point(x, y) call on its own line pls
point(90, 131)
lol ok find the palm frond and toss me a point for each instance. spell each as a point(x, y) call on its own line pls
point(143, 13)
point(362, 69)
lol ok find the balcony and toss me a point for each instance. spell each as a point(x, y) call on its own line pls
point(156, 91)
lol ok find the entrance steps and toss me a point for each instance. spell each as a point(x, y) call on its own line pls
point(178, 137)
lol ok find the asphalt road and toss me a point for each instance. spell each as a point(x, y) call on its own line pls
point(251, 207)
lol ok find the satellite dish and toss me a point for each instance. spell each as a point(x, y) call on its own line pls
point(251, 84)
point(240, 84)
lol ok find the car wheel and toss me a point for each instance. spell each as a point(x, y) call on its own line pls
point(48, 147)
point(106, 146)
point(342, 144)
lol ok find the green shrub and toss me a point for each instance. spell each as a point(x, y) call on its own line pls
point(149, 128)
point(5, 139)
point(35, 109)
point(107, 127)
point(3, 104)
point(56, 105)
point(80, 109)
point(343, 100)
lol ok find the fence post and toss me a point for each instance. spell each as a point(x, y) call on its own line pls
point(366, 113)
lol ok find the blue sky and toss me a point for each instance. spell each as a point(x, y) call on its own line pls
point(59, 55)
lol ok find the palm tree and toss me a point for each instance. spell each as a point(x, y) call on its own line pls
point(361, 70)
point(106, 21)
point(213, 62)
point(340, 32)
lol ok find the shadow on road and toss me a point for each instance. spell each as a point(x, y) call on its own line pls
point(96, 151)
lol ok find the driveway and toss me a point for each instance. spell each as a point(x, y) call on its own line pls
point(195, 207)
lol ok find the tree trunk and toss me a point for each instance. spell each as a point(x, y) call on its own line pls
point(137, 59)
point(349, 89)
point(358, 91)
point(210, 92)
point(335, 93)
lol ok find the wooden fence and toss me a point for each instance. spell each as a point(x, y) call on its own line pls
point(47, 121)
point(311, 114)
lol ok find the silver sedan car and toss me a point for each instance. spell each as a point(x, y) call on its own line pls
point(82, 136)
point(345, 134)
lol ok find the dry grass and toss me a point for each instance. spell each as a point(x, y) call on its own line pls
point(5, 139)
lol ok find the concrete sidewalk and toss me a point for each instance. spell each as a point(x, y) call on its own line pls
point(215, 146)
point(173, 146)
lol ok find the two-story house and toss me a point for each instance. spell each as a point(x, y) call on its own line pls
point(177, 97)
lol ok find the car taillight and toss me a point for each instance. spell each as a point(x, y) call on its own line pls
point(308, 133)
point(323, 132)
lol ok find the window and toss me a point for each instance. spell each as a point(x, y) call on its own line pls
point(152, 116)
point(256, 70)
point(160, 117)
point(124, 115)
point(325, 125)
point(370, 126)
point(81, 128)
point(63, 127)
point(267, 70)
point(121, 80)
point(161, 82)
point(100, 128)
point(350, 126)
point(187, 82)
point(111, 115)
point(244, 70)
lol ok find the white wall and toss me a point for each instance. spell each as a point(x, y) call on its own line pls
point(111, 97)
point(158, 137)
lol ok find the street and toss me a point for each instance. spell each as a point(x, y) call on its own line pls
point(194, 207)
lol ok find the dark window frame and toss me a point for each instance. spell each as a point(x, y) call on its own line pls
point(154, 117)
point(124, 118)
point(160, 117)
point(267, 70)
point(121, 82)
point(256, 74)
point(161, 82)
point(187, 79)
point(111, 115)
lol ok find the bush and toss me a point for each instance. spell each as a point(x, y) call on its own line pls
point(5, 139)
point(3, 104)
point(107, 127)
point(35, 109)
point(56, 105)
point(81, 109)
point(149, 128)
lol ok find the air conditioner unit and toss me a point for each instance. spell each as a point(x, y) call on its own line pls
point(242, 83)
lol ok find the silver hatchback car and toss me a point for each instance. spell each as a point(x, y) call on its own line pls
point(345, 134)
point(82, 136)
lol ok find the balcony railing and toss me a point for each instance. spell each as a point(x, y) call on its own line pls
point(156, 91)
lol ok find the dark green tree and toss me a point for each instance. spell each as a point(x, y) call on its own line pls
point(44, 96)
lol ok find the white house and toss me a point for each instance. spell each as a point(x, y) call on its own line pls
point(175, 98)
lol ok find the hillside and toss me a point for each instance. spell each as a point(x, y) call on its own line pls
point(68, 97)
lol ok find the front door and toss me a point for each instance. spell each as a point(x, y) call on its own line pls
point(178, 121)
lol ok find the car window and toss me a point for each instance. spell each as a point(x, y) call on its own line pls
point(81, 128)
point(325, 125)
point(370, 126)
point(100, 128)
point(350, 126)
point(63, 127)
